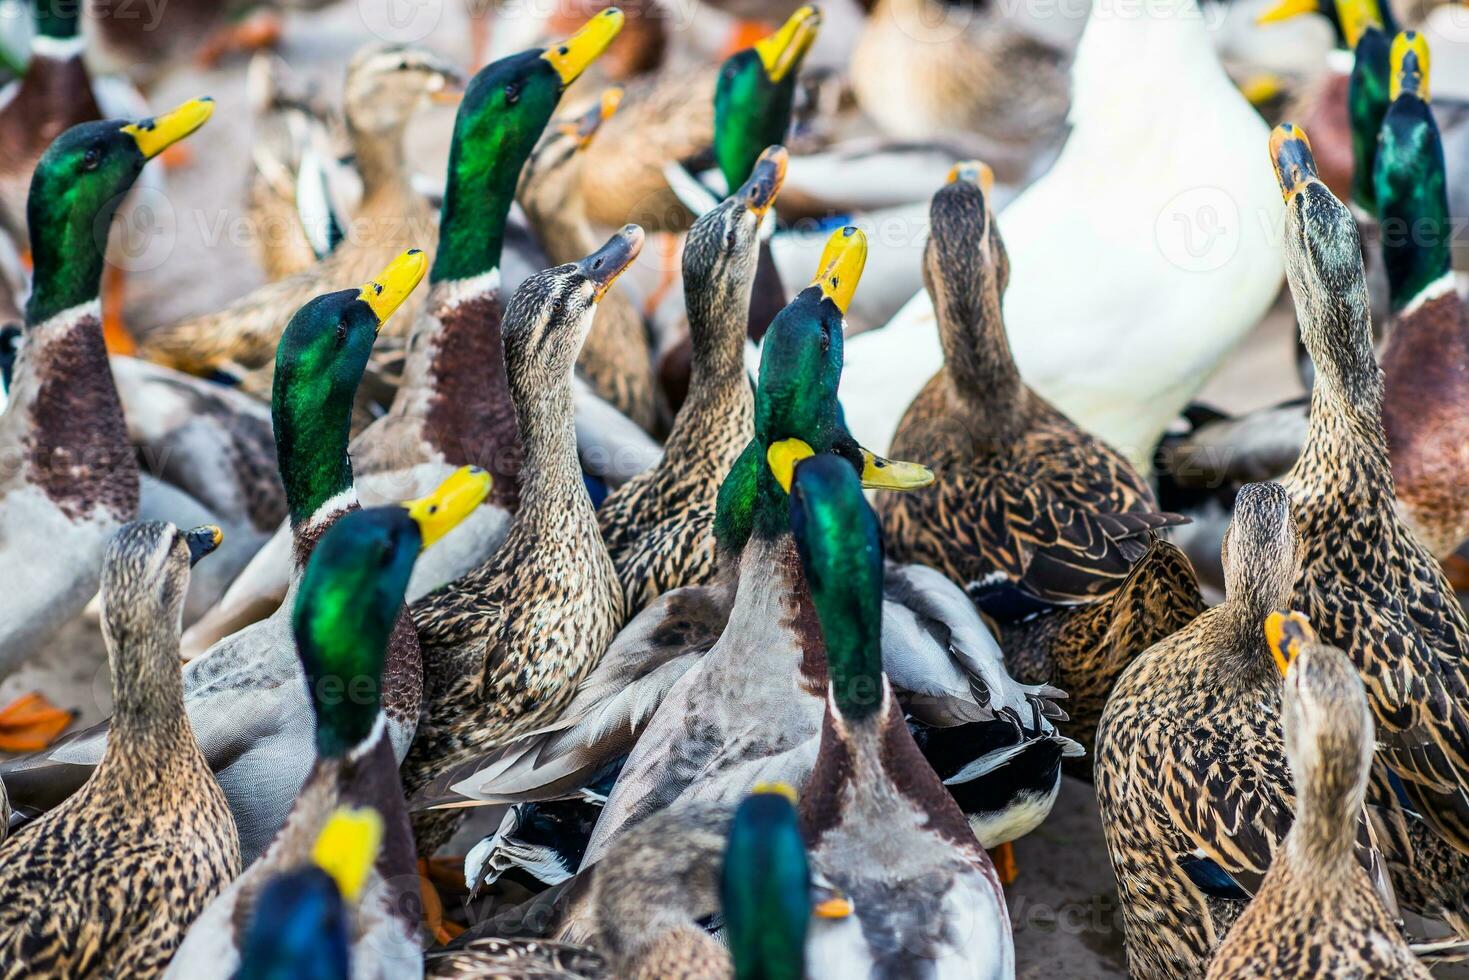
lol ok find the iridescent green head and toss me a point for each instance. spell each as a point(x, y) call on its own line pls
point(841, 554)
point(505, 109)
point(300, 930)
point(753, 96)
point(766, 887)
point(77, 187)
point(318, 364)
point(1367, 101)
point(1409, 179)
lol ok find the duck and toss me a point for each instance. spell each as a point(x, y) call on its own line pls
point(79, 484)
point(145, 44)
point(385, 86)
point(1048, 529)
point(107, 882)
point(343, 619)
point(1094, 324)
point(292, 125)
point(923, 889)
point(453, 406)
point(691, 650)
point(255, 672)
point(616, 361)
point(995, 80)
point(1192, 781)
point(302, 925)
point(1316, 910)
point(54, 95)
point(1425, 359)
point(1367, 584)
point(506, 644)
point(659, 526)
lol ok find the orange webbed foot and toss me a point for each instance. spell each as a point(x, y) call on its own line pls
point(31, 723)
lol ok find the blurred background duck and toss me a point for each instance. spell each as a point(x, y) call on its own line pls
point(77, 493)
point(344, 617)
point(1109, 260)
point(1048, 530)
point(109, 881)
point(1317, 910)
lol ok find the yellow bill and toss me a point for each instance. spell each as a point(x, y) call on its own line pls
point(451, 502)
point(347, 847)
point(842, 262)
point(836, 907)
point(584, 127)
point(782, 458)
point(1356, 16)
point(776, 789)
point(880, 473)
point(1409, 59)
point(1288, 10)
point(155, 135)
point(394, 284)
point(782, 51)
point(572, 56)
point(1286, 633)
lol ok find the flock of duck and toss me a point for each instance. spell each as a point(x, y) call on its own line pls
point(765, 634)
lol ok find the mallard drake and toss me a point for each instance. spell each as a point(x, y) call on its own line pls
point(1049, 530)
point(1191, 778)
point(506, 644)
point(1094, 324)
point(616, 360)
point(255, 673)
point(1367, 583)
point(1317, 911)
point(292, 124)
point(302, 924)
point(344, 619)
point(879, 823)
point(79, 480)
point(1425, 362)
point(735, 111)
point(993, 79)
point(54, 95)
point(659, 526)
point(453, 407)
point(385, 86)
point(107, 882)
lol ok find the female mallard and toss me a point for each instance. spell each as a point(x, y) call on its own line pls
point(659, 526)
point(255, 673)
point(106, 883)
point(78, 480)
point(1425, 362)
point(616, 360)
point(344, 618)
point(385, 85)
point(880, 824)
point(1049, 530)
point(1317, 912)
point(1367, 583)
point(506, 645)
point(1191, 779)
point(453, 407)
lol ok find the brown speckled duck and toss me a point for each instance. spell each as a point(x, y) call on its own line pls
point(1367, 584)
point(1317, 913)
point(1049, 530)
point(659, 526)
point(505, 646)
point(106, 884)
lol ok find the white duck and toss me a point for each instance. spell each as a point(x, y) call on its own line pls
point(1137, 263)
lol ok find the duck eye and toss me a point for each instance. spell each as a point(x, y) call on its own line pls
point(93, 158)
point(341, 333)
point(825, 338)
point(512, 93)
point(729, 238)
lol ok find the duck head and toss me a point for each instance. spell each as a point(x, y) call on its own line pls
point(319, 362)
point(765, 887)
point(77, 187)
point(351, 596)
point(753, 95)
point(1367, 101)
point(549, 316)
point(505, 108)
point(386, 84)
point(1409, 179)
point(1261, 551)
point(551, 175)
point(54, 20)
point(797, 414)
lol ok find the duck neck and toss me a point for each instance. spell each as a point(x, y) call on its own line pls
point(1322, 840)
point(721, 400)
point(311, 447)
point(1346, 407)
point(476, 207)
point(379, 157)
point(552, 490)
point(978, 363)
point(148, 694)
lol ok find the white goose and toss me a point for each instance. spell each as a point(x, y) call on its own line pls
point(1137, 263)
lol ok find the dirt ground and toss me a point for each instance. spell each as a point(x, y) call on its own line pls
point(1065, 909)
